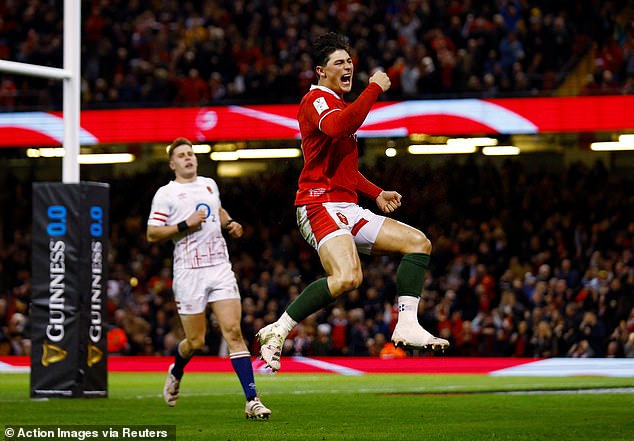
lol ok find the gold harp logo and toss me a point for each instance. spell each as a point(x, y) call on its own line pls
point(52, 354)
point(94, 355)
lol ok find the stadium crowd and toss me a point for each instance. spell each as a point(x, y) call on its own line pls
point(526, 263)
point(148, 53)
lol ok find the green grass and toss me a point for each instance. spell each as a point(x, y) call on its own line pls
point(330, 407)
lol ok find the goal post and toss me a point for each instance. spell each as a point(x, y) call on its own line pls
point(69, 250)
point(69, 288)
point(71, 77)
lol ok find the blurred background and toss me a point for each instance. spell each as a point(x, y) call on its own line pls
point(533, 253)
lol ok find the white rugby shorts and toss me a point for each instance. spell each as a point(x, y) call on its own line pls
point(195, 287)
point(320, 222)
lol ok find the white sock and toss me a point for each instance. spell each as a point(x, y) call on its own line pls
point(286, 323)
point(408, 309)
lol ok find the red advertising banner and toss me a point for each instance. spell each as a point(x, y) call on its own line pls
point(387, 119)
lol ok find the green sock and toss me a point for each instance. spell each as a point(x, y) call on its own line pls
point(312, 299)
point(410, 274)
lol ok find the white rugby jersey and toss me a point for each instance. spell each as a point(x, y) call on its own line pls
point(175, 202)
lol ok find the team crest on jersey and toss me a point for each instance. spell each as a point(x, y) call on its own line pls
point(210, 190)
point(320, 105)
point(342, 218)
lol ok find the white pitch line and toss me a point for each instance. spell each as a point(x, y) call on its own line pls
point(595, 391)
point(336, 368)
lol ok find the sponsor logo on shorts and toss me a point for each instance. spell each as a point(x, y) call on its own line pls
point(342, 218)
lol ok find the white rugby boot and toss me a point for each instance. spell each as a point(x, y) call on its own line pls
point(409, 333)
point(170, 390)
point(254, 409)
point(413, 335)
point(271, 339)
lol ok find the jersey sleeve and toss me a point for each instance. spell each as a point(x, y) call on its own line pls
point(346, 122)
point(215, 188)
point(367, 188)
point(161, 209)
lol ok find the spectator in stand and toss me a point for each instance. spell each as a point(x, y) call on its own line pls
point(193, 90)
point(593, 332)
point(543, 342)
point(8, 94)
point(117, 341)
point(132, 44)
point(629, 346)
point(520, 341)
point(322, 344)
point(596, 227)
point(388, 350)
point(581, 349)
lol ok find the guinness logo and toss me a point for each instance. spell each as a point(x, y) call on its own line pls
point(52, 354)
point(94, 355)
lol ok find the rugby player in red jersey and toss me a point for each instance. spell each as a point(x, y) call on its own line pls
point(327, 212)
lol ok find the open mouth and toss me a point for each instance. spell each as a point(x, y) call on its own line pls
point(346, 80)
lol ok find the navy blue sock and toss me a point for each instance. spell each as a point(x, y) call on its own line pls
point(241, 362)
point(179, 364)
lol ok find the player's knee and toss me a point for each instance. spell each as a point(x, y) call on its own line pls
point(419, 244)
point(233, 334)
point(347, 282)
point(426, 245)
point(196, 343)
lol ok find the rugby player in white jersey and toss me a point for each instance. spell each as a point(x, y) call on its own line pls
point(188, 211)
point(327, 212)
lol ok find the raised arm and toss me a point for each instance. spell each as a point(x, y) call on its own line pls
point(340, 124)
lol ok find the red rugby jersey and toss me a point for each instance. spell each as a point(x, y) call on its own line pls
point(329, 143)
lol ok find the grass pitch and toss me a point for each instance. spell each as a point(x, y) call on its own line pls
point(329, 407)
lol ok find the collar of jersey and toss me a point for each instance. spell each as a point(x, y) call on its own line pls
point(187, 183)
point(325, 89)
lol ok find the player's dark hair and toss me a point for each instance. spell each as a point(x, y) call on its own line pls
point(326, 44)
point(176, 143)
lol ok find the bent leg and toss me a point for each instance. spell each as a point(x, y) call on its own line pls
point(343, 268)
point(340, 259)
point(195, 327)
point(229, 315)
point(397, 237)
